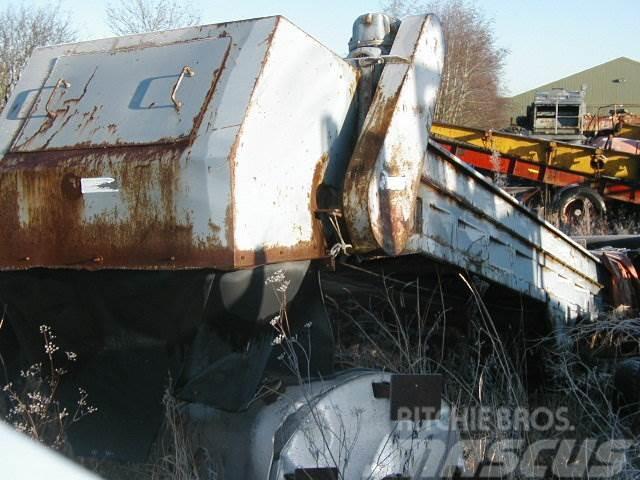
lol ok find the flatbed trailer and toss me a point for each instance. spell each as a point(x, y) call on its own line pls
point(615, 174)
point(574, 185)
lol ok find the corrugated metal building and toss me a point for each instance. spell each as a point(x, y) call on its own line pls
point(613, 82)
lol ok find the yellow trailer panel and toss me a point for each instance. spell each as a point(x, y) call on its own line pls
point(578, 159)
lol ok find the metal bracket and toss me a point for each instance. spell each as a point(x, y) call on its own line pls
point(186, 71)
point(381, 389)
point(411, 397)
point(365, 61)
point(322, 473)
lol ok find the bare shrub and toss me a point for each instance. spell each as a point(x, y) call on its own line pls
point(406, 328)
point(405, 336)
point(173, 455)
point(34, 408)
point(625, 220)
point(138, 16)
point(582, 379)
point(590, 223)
point(295, 357)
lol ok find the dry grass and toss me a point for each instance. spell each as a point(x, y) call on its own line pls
point(173, 456)
point(410, 329)
point(479, 370)
point(176, 458)
point(590, 224)
point(625, 221)
point(620, 219)
point(582, 380)
point(484, 369)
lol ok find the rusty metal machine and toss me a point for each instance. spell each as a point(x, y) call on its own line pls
point(558, 114)
point(152, 186)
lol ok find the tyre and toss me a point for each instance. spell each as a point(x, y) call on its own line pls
point(579, 210)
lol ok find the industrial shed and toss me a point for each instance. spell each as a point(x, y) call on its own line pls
point(614, 82)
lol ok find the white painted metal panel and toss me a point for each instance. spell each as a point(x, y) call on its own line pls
point(280, 437)
point(23, 458)
point(123, 97)
point(470, 223)
point(290, 135)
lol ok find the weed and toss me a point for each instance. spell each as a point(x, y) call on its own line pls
point(484, 372)
point(34, 408)
point(176, 458)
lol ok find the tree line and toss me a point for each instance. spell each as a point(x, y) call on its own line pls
point(471, 92)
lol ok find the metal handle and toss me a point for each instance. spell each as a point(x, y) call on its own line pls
point(188, 71)
point(60, 83)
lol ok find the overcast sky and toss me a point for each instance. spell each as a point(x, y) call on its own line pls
point(547, 39)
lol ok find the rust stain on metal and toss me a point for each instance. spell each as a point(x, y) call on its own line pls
point(247, 258)
point(318, 243)
point(48, 221)
point(43, 214)
point(89, 117)
point(307, 250)
point(50, 121)
point(197, 120)
point(362, 167)
point(269, 38)
point(302, 251)
point(71, 186)
point(395, 228)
